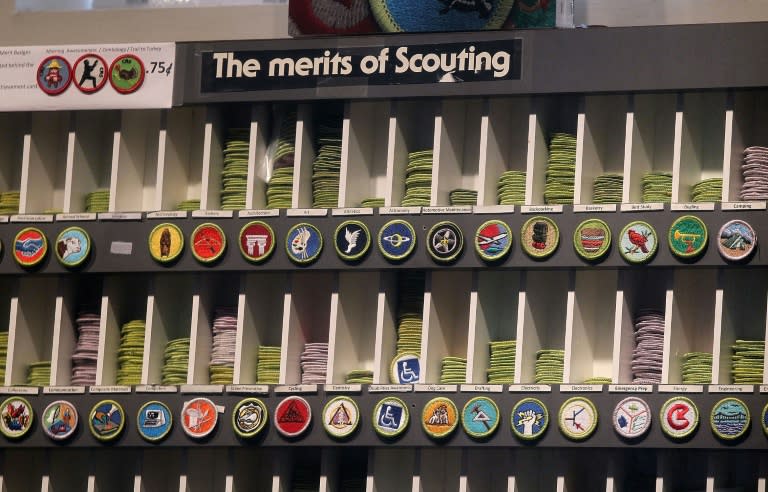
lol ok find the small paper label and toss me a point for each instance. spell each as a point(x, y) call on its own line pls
point(109, 389)
point(688, 207)
point(32, 218)
point(245, 214)
point(604, 207)
point(494, 209)
point(3, 219)
point(482, 388)
point(399, 210)
point(541, 209)
point(731, 388)
point(435, 388)
point(764, 388)
point(121, 248)
point(201, 388)
point(642, 207)
point(18, 390)
point(463, 209)
point(296, 388)
point(530, 388)
point(306, 212)
point(726, 206)
point(343, 388)
point(168, 214)
point(680, 388)
point(64, 390)
point(630, 388)
point(155, 388)
point(390, 388)
point(120, 216)
point(581, 388)
point(341, 212)
point(212, 214)
point(248, 389)
point(75, 217)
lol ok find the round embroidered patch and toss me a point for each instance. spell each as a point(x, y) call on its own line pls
point(199, 417)
point(679, 417)
point(352, 240)
point(480, 417)
point(73, 246)
point(577, 418)
point(341, 417)
point(530, 419)
point(16, 417)
point(166, 242)
point(405, 368)
point(441, 15)
point(90, 73)
point(208, 242)
point(764, 419)
point(736, 240)
point(336, 17)
point(390, 417)
point(126, 74)
point(257, 241)
point(631, 417)
point(729, 418)
point(293, 416)
point(59, 420)
point(687, 237)
point(303, 243)
point(592, 239)
point(439, 417)
point(30, 247)
point(154, 421)
point(397, 240)
point(445, 242)
point(249, 417)
point(106, 420)
point(54, 74)
point(638, 242)
point(493, 240)
point(539, 237)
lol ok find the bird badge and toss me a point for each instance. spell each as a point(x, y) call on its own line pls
point(351, 237)
point(638, 240)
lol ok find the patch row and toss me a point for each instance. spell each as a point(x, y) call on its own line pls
point(577, 418)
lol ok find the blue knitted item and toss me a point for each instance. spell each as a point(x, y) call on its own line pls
point(440, 15)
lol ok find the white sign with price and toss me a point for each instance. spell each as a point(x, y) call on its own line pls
point(115, 76)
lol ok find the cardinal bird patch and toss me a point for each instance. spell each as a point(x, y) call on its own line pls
point(638, 242)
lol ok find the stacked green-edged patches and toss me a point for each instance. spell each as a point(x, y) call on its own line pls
point(418, 179)
point(372, 202)
point(608, 188)
point(511, 188)
point(97, 201)
point(409, 312)
point(697, 368)
point(268, 365)
point(221, 374)
point(9, 202)
point(3, 354)
point(131, 353)
point(549, 366)
point(598, 380)
point(657, 188)
point(501, 369)
point(453, 370)
point(176, 361)
point(708, 190)
point(39, 373)
point(748, 360)
point(189, 205)
point(561, 169)
point(462, 196)
point(360, 376)
point(280, 185)
point(326, 169)
point(234, 176)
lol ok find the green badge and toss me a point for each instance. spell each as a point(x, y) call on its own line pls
point(249, 417)
point(577, 418)
point(73, 246)
point(16, 416)
point(592, 239)
point(126, 74)
point(539, 237)
point(687, 237)
point(638, 242)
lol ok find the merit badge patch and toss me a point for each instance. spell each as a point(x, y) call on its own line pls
point(493, 240)
point(303, 243)
point(679, 417)
point(439, 417)
point(90, 73)
point(529, 419)
point(293, 416)
point(106, 420)
point(352, 240)
point(687, 237)
point(257, 241)
point(405, 368)
point(16, 417)
point(154, 421)
point(638, 242)
point(249, 417)
point(126, 74)
point(736, 240)
point(764, 419)
point(54, 74)
point(59, 420)
point(199, 417)
point(445, 241)
point(730, 418)
point(166, 242)
point(73, 246)
point(390, 417)
point(631, 417)
point(480, 417)
point(208, 243)
point(592, 239)
point(577, 418)
point(341, 417)
point(30, 247)
point(397, 240)
point(539, 237)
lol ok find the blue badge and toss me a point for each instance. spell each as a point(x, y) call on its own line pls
point(529, 419)
point(480, 417)
point(405, 368)
point(765, 419)
point(154, 421)
point(730, 418)
point(54, 75)
point(303, 243)
point(352, 240)
point(390, 417)
point(397, 240)
point(106, 420)
point(72, 246)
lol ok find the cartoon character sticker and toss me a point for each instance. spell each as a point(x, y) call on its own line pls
point(90, 73)
point(54, 75)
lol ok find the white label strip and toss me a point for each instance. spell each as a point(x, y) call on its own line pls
point(306, 212)
point(691, 207)
point(64, 390)
point(212, 214)
point(201, 388)
point(482, 388)
point(764, 388)
point(32, 218)
point(343, 388)
point(435, 388)
point(494, 209)
point(630, 388)
point(121, 248)
point(464, 209)
point(541, 209)
point(729, 206)
point(341, 212)
point(120, 216)
point(168, 214)
point(18, 390)
point(155, 388)
point(530, 388)
point(390, 388)
point(731, 388)
point(245, 214)
point(247, 389)
point(581, 388)
point(680, 388)
point(109, 389)
point(75, 217)
point(399, 210)
point(296, 388)
point(605, 207)
point(642, 207)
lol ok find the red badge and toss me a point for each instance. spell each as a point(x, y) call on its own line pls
point(54, 74)
point(208, 242)
point(90, 73)
point(30, 247)
point(257, 240)
point(199, 417)
point(293, 416)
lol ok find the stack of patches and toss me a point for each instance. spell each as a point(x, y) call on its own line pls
point(222, 365)
point(598, 380)
point(608, 188)
point(306, 478)
point(372, 202)
point(511, 188)
point(461, 196)
point(97, 201)
point(314, 363)
point(3, 354)
point(649, 347)
point(453, 370)
point(418, 179)
point(9, 202)
point(86, 350)
point(748, 359)
point(657, 188)
point(502, 367)
point(131, 353)
point(561, 170)
point(268, 365)
point(708, 190)
point(360, 376)
point(234, 176)
point(39, 373)
point(410, 308)
point(188, 205)
point(755, 172)
point(697, 368)
point(280, 185)
point(176, 361)
point(549, 366)
point(326, 169)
